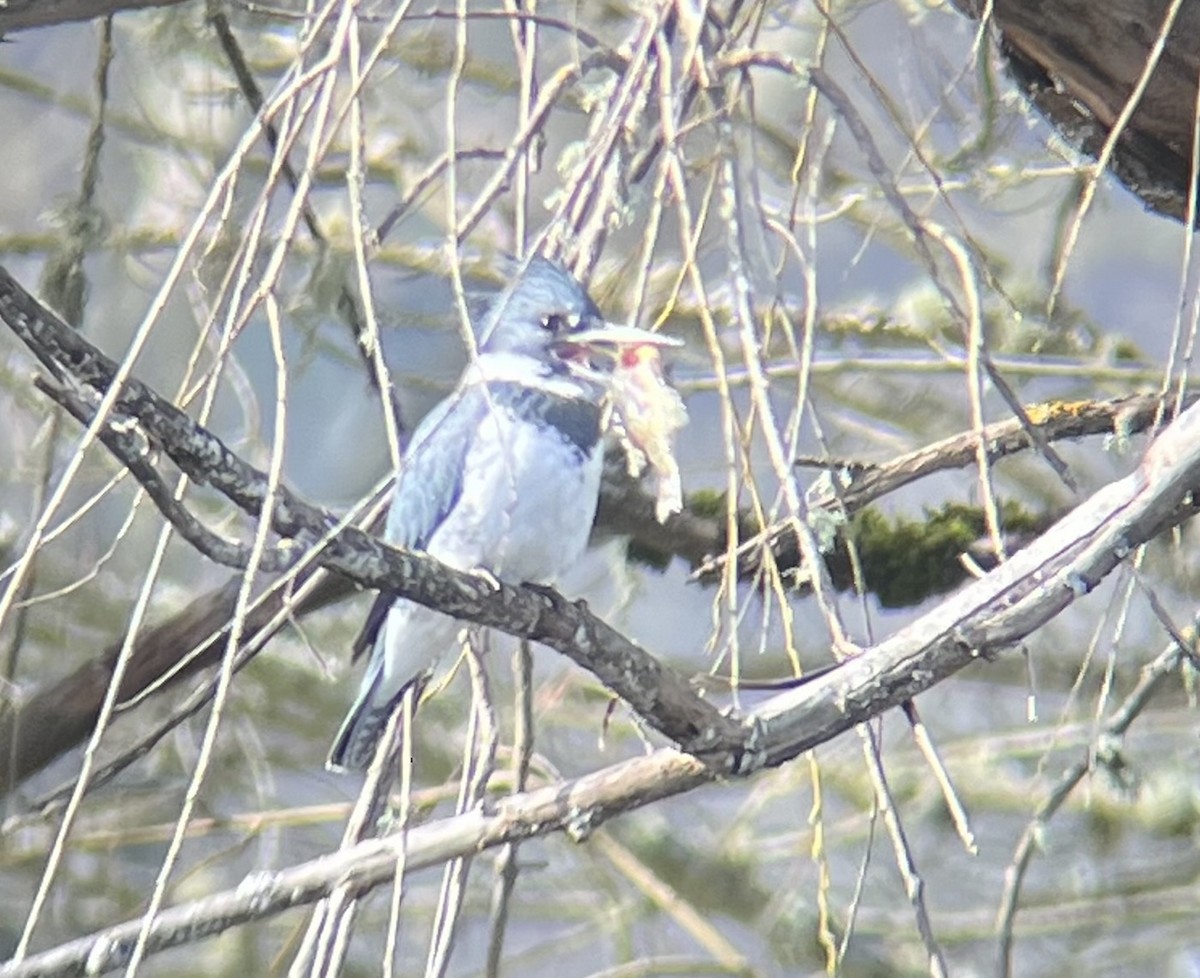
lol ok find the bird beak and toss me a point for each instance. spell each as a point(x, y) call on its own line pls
point(611, 339)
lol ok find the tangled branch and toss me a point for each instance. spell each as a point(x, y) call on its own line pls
point(992, 614)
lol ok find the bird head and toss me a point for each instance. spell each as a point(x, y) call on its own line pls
point(547, 315)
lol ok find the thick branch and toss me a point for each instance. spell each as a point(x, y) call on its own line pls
point(125, 443)
point(656, 692)
point(994, 613)
point(999, 610)
point(20, 15)
point(56, 718)
point(69, 707)
point(1055, 421)
point(1079, 61)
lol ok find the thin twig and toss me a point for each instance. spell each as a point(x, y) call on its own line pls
point(1105, 749)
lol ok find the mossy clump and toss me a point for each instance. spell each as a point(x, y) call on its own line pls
point(707, 504)
point(906, 561)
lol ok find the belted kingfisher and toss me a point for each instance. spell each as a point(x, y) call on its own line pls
point(502, 476)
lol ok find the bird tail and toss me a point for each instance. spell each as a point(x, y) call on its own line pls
point(354, 747)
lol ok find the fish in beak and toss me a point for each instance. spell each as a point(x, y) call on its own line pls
point(607, 341)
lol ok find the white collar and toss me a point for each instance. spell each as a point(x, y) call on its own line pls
point(522, 369)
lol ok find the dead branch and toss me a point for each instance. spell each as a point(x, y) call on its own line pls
point(987, 617)
point(656, 692)
point(20, 15)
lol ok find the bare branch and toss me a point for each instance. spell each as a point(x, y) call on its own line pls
point(1056, 421)
point(20, 15)
point(659, 694)
point(996, 612)
point(1150, 682)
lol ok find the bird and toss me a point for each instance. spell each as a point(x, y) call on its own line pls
point(502, 477)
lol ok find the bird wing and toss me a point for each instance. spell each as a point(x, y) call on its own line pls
point(428, 486)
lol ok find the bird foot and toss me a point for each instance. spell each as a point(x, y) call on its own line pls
point(488, 578)
point(549, 592)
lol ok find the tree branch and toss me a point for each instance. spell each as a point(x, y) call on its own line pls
point(71, 704)
point(655, 691)
point(1055, 420)
point(20, 15)
point(994, 613)
point(990, 615)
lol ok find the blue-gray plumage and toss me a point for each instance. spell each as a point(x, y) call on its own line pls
point(503, 476)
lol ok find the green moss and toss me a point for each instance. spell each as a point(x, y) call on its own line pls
point(906, 561)
point(707, 504)
point(1124, 350)
point(647, 556)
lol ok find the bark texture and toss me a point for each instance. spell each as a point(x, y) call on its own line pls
point(22, 15)
point(1080, 62)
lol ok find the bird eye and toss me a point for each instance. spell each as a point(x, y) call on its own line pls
point(556, 322)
